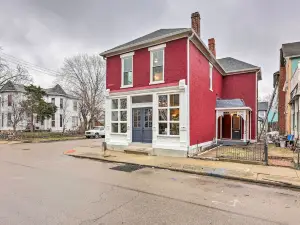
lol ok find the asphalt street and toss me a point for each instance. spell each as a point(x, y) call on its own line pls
point(39, 185)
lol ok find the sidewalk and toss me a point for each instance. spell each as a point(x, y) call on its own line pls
point(279, 176)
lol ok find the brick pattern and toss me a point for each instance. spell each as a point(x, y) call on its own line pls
point(281, 101)
point(195, 19)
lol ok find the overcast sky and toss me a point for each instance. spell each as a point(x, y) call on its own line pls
point(45, 32)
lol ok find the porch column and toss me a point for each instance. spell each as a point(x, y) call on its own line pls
point(250, 125)
point(245, 125)
point(221, 127)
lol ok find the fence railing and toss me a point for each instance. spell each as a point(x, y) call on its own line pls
point(252, 152)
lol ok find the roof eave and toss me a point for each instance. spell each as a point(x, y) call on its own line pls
point(252, 70)
point(147, 43)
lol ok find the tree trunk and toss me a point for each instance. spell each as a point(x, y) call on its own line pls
point(31, 123)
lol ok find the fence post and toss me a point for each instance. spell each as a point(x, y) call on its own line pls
point(266, 152)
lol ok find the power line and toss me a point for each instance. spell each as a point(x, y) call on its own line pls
point(28, 65)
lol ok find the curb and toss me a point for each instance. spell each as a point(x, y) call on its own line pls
point(44, 141)
point(259, 182)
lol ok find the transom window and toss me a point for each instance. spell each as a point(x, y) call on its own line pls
point(168, 114)
point(157, 64)
point(127, 69)
point(119, 115)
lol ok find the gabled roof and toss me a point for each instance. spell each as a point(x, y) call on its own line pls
point(263, 106)
point(11, 87)
point(230, 103)
point(232, 65)
point(291, 49)
point(56, 90)
point(156, 34)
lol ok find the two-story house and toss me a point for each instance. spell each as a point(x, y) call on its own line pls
point(168, 89)
point(65, 118)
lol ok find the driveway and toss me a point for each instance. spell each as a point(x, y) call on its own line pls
point(40, 185)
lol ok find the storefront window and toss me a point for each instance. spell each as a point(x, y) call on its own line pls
point(119, 115)
point(168, 114)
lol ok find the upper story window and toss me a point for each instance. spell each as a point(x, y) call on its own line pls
point(75, 105)
point(127, 69)
point(9, 100)
point(210, 76)
point(157, 61)
point(53, 101)
point(61, 103)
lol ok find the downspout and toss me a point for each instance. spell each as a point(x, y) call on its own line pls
point(188, 92)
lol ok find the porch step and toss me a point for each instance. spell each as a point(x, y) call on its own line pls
point(139, 150)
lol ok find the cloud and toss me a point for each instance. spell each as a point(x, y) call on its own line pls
point(45, 32)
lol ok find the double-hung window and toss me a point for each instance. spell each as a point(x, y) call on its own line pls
point(210, 77)
point(157, 58)
point(119, 115)
point(168, 114)
point(127, 70)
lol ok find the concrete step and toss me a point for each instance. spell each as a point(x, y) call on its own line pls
point(139, 150)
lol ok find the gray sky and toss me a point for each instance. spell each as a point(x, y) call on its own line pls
point(45, 32)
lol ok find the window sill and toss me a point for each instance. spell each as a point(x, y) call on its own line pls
point(118, 133)
point(157, 82)
point(127, 86)
point(168, 136)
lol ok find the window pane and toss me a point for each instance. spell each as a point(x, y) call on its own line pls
point(128, 64)
point(174, 100)
point(123, 115)
point(123, 127)
point(158, 58)
point(127, 78)
point(157, 73)
point(174, 114)
point(162, 115)
point(114, 128)
point(174, 128)
point(123, 103)
point(114, 116)
point(114, 104)
point(162, 128)
point(163, 101)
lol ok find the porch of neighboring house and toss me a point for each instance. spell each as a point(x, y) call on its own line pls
point(233, 122)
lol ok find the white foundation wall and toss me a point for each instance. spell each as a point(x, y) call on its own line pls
point(162, 143)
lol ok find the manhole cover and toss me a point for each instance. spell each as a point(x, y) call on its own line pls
point(128, 168)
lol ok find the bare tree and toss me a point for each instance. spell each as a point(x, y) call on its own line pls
point(17, 111)
point(66, 114)
point(17, 75)
point(84, 77)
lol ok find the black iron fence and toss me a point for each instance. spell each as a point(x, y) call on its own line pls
point(253, 152)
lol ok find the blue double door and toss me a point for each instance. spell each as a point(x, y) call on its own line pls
point(142, 125)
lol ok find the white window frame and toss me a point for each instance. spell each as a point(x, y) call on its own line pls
point(126, 56)
point(152, 50)
point(168, 121)
point(210, 77)
point(119, 110)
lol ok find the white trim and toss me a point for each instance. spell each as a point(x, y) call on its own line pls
point(127, 55)
point(188, 89)
point(231, 127)
point(236, 108)
point(142, 105)
point(154, 49)
point(145, 91)
point(210, 76)
point(157, 47)
point(256, 99)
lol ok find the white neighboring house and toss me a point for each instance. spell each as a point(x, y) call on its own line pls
point(295, 102)
point(65, 118)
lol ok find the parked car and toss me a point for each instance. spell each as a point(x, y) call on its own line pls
point(96, 132)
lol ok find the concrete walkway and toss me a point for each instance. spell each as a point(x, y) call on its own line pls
point(278, 176)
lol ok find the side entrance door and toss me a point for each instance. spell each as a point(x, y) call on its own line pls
point(142, 125)
point(236, 127)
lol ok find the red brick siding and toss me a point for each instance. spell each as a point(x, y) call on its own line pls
point(242, 86)
point(175, 66)
point(202, 100)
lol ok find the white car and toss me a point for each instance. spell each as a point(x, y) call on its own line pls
point(96, 132)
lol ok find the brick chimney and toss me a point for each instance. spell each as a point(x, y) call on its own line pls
point(195, 20)
point(212, 46)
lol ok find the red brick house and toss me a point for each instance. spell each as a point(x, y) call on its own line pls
point(169, 90)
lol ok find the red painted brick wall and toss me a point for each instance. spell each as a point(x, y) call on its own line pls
point(202, 100)
point(281, 101)
point(175, 66)
point(242, 86)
